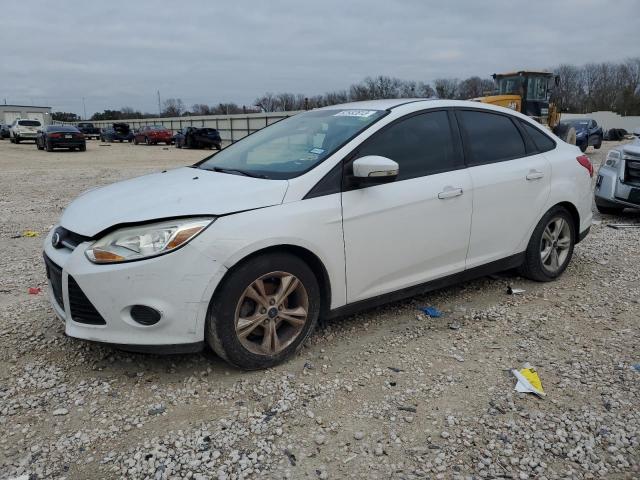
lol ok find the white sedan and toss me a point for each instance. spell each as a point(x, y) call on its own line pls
point(322, 214)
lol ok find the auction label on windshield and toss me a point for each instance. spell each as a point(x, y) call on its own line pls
point(355, 113)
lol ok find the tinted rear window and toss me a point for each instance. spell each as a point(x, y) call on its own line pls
point(29, 123)
point(62, 128)
point(542, 141)
point(490, 137)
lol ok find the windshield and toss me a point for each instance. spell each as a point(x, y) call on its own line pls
point(577, 124)
point(29, 123)
point(292, 146)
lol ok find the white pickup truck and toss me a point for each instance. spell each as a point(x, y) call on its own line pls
point(24, 129)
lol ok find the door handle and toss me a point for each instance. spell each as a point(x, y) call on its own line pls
point(534, 175)
point(450, 192)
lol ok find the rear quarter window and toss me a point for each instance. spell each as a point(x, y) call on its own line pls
point(541, 141)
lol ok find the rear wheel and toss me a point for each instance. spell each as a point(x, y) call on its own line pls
point(599, 144)
point(551, 246)
point(264, 311)
point(49, 147)
point(39, 146)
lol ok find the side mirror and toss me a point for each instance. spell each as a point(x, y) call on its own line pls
point(374, 169)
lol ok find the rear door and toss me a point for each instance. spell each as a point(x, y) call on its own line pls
point(416, 228)
point(511, 184)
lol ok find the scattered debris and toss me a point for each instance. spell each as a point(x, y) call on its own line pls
point(290, 456)
point(636, 367)
point(528, 381)
point(621, 226)
point(17, 235)
point(433, 312)
point(455, 326)
point(60, 411)
point(395, 369)
point(406, 408)
point(515, 291)
point(34, 290)
point(156, 410)
point(30, 233)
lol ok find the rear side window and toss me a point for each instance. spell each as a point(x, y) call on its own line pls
point(421, 144)
point(490, 137)
point(541, 141)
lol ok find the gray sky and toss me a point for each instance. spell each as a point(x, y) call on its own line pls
point(118, 53)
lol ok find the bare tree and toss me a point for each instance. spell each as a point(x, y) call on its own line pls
point(172, 107)
point(446, 87)
point(200, 109)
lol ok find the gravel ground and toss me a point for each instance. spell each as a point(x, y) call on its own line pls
point(389, 393)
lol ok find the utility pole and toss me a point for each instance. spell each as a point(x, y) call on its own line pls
point(84, 108)
point(159, 108)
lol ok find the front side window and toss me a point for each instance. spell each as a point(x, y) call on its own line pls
point(537, 88)
point(421, 145)
point(490, 137)
point(292, 146)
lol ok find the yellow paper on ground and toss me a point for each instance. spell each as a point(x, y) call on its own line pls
point(30, 233)
point(528, 381)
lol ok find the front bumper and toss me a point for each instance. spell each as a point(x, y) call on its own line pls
point(610, 191)
point(179, 285)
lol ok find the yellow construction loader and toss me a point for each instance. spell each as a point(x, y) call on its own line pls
point(531, 93)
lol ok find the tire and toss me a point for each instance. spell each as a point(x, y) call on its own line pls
point(83, 148)
point(230, 299)
point(16, 140)
point(583, 148)
point(135, 141)
point(190, 143)
point(146, 141)
point(218, 147)
point(566, 133)
point(121, 140)
point(545, 240)
point(609, 210)
point(48, 147)
point(38, 145)
point(599, 144)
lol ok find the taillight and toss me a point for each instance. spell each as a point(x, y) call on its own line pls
point(78, 135)
point(54, 135)
point(586, 163)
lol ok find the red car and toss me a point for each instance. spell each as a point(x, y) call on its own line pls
point(152, 135)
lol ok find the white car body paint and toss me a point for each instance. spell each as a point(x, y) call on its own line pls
point(371, 241)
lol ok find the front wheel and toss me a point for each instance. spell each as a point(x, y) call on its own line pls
point(551, 246)
point(599, 144)
point(264, 311)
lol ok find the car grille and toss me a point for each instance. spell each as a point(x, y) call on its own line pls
point(54, 274)
point(82, 310)
point(632, 169)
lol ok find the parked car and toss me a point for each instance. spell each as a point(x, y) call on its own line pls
point(5, 131)
point(588, 132)
point(118, 132)
point(89, 130)
point(618, 181)
point(194, 137)
point(24, 129)
point(60, 136)
point(152, 135)
point(324, 213)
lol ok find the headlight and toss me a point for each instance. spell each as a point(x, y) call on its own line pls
point(613, 157)
point(144, 241)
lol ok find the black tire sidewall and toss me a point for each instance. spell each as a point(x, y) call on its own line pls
point(220, 323)
point(533, 267)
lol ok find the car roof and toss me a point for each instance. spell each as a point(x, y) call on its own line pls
point(386, 104)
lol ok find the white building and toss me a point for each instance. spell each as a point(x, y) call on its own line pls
point(8, 113)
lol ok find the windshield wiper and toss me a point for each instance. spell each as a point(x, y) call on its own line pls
point(237, 170)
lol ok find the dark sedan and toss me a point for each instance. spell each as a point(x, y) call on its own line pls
point(193, 137)
point(118, 132)
point(60, 136)
point(588, 132)
point(4, 131)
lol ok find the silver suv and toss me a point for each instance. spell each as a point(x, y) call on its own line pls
point(618, 182)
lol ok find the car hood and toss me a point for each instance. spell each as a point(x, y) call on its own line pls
point(632, 148)
point(173, 193)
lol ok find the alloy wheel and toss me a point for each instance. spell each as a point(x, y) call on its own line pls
point(271, 313)
point(555, 244)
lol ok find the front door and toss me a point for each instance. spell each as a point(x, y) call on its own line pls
point(415, 229)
